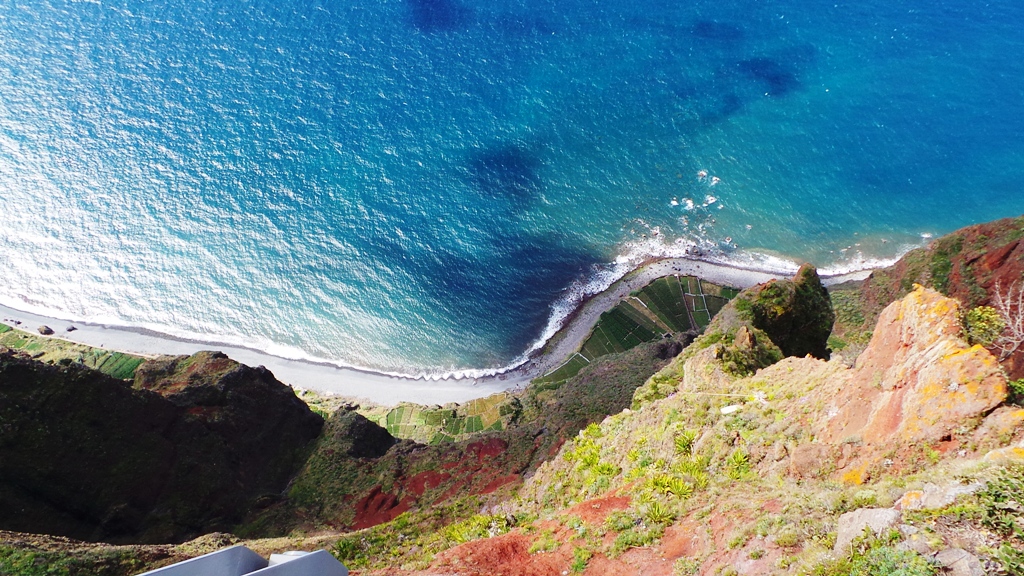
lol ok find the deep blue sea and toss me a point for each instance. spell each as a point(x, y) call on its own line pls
point(426, 186)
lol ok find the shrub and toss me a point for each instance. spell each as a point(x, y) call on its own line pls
point(872, 556)
point(1011, 559)
point(1001, 502)
point(865, 498)
point(478, 526)
point(620, 521)
point(545, 542)
point(1016, 392)
point(982, 325)
point(887, 561)
point(580, 559)
point(686, 567)
point(680, 488)
point(637, 537)
point(659, 514)
point(692, 466)
point(787, 537)
point(607, 469)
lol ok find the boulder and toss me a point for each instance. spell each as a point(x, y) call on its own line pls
point(913, 540)
point(1000, 427)
point(933, 496)
point(809, 460)
point(1008, 455)
point(852, 525)
point(959, 562)
point(45, 330)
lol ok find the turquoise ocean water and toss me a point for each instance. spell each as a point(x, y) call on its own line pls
point(427, 186)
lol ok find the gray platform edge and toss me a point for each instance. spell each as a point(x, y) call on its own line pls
point(240, 561)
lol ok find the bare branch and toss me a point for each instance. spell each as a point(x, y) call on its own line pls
point(1010, 305)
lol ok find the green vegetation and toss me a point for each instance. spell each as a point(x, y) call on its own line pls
point(55, 350)
point(448, 423)
point(411, 540)
point(580, 558)
point(744, 356)
point(675, 457)
point(1015, 389)
point(107, 561)
point(669, 305)
point(942, 261)
point(567, 370)
point(1002, 503)
point(873, 556)
point(982, 325)
point(545, 542)
point(684, 442)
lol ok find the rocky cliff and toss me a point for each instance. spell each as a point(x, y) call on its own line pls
point(968, 265)
point(756, 450)
point(186, 451)
point(779, 471)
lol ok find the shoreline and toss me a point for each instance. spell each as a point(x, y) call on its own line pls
point(384, 389)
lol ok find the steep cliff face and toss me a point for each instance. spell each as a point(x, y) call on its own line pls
point(918, 380)
point(752, 473)
point(967, 265)
point(87, 456)
point(257, 418)
point(359, 476)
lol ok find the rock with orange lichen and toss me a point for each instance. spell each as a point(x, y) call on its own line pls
point(917, 381)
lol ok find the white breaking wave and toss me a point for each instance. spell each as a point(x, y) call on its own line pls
point(634, 255)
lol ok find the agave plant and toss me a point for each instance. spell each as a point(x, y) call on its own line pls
point(684, 442)
point(737, 464)
point(659, 514)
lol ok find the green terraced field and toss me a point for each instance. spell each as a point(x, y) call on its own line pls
point(53, 350)
point(448, 423)
point(668, 305)
point(567, 370)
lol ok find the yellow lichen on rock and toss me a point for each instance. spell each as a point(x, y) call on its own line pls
point(1008, 454)
point(918, 381)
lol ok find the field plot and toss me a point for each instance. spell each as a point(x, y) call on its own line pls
point(448, 423)
point(669, 305)
point(54, 350)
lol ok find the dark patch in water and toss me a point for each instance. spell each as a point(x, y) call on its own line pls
point(710, 102)
point(720, 107)
point(778, 80)
point(515, 25)
point(438, 15)
point(507, 171)
point(717, 31)
point(511, 290)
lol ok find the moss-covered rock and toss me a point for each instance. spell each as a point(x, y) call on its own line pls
point(796, 314)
